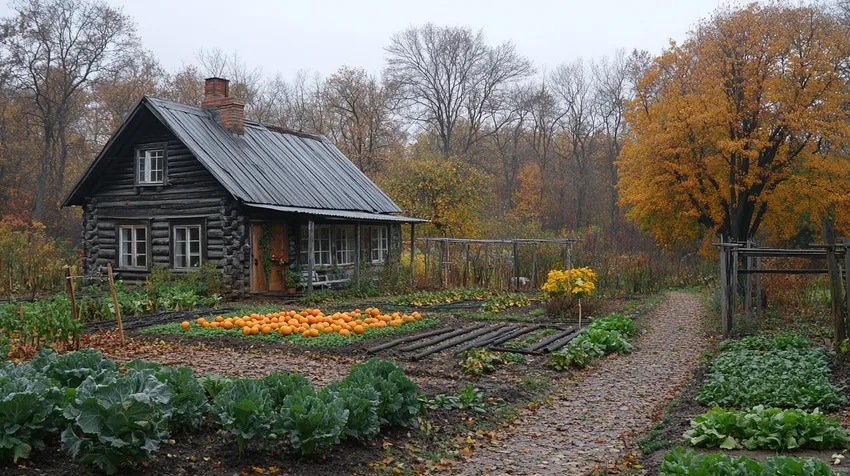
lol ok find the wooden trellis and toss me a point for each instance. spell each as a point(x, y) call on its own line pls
point(443, 249)
point(746, 259)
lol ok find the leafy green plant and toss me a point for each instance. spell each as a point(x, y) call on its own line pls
point(766, 428)
point(214, 384)
point(469, 398)
point(603, 336)
point(120, 423)
point(429, 298)
point(653, 442)
point(681, 462)
point(362, 404)
point(244, 409)
point(505, 301)
point(399, 402)
point(312, 420)
point(71, 369)
point(282, 385)
point(478, 361)
point(188, 399)
point(30, 414)
point(764, 342)
point(798, 378)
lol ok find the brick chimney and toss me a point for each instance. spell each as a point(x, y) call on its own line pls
point(229, 111)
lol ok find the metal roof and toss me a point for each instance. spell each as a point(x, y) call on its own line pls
point(339, 214)
point(272, 166)
point(265, 165)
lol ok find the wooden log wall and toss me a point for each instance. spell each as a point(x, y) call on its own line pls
point(191, 195)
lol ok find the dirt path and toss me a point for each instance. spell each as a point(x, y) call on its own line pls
point(584, 426)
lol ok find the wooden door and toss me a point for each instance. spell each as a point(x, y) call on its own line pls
point(279, 244)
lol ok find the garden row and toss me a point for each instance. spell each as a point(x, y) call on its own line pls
point(309, 326)
point(50, 322)
point(766, 393)
point(112, 420)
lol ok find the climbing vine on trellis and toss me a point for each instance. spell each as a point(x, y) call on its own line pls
point(266, 250)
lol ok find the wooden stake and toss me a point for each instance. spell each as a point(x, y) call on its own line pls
point(115, 302)
point(69, 284)
point(759, 298)
point(534, 266)
point(836, 290)
point(465, 263)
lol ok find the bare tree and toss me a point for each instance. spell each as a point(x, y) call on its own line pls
point(245, 82)
point(452, 82)
point(574, 86)
point(360, 108)
point(56, 47)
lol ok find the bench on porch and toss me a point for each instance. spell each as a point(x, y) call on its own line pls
point(325, 279)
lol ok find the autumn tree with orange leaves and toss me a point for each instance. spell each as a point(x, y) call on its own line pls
point(744, 125)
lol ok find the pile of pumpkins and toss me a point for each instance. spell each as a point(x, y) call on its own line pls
point(308, 323)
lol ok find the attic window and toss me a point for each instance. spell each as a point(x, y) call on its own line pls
point(150, 164)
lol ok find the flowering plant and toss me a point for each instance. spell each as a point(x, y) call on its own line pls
point(280, 259)
point(575, 283)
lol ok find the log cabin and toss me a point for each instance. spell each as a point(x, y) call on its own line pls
point(181, 186)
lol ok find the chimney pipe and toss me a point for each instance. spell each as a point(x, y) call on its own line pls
point(229, 111)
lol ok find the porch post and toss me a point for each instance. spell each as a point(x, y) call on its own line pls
point(413, 254)
point(311, 258)
point(358, 247)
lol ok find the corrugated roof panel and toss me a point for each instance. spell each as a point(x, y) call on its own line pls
point(349, 215)
point(265, 166)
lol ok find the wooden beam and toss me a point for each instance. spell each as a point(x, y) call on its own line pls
point(836, 290)
point(413, 254)
point(784, 271)
point(311, 258)
point(358, 247)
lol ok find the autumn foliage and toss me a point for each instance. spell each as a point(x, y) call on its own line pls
point(743, 125)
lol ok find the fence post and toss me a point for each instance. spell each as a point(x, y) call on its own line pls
point(358, 249)
point(465, 263)
point(724, 284)
point(759, 297)
point(115, 302)
point(516, 267)
point(836, 290)
point(534, 266)
point(748, 298)
point(846, 243)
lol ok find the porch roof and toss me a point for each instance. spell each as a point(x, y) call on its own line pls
point(339, 214)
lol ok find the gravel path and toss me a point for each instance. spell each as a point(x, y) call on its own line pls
point(587, 424)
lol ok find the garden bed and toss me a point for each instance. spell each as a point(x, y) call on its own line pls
point(676, 419)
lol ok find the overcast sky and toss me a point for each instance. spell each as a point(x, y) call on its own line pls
point(284, 36)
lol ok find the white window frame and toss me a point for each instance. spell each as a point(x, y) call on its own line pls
point(187, 252)
point(146, 170)
point(346, 245)
point(378, 244)
point(131, 260)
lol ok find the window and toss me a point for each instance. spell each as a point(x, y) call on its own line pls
point(133, 246)
point(187, 246)
point(321, 244)
point(151, 166)
point(346, 245)
point(378, 243)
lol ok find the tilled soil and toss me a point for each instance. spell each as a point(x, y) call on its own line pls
point(590, 423)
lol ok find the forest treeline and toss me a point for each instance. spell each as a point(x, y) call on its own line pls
point(469, 134)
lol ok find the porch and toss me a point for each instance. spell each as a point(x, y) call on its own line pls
point(317, 248)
